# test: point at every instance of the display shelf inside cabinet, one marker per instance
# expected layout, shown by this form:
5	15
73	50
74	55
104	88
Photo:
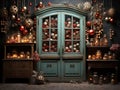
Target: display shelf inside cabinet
103	67
92	49
61	42
18	62
101	60
18	50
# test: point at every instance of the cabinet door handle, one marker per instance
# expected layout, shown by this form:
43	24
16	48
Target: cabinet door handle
72	65
49	65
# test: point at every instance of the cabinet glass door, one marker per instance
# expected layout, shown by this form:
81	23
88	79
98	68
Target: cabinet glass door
61	44
71	34
50	34
60	33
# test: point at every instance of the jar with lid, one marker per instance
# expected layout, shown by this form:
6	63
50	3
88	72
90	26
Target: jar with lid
109	55
101	79
105	57
113	56
89	56
22	54
28	55
14	54
8	56
95	78
90	78
91	42
98	54
113	78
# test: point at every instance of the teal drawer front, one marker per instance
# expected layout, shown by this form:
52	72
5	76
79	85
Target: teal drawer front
50	68
72	69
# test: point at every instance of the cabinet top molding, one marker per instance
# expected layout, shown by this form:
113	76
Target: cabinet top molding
60	7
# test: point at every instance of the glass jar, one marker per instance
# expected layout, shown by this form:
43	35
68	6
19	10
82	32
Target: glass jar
8	55
105	57
89	57
96	41
98	54
95	78
113	79
105	40
22	55
91	42
93	57
90	78
14	54
101	79
28	55
109	55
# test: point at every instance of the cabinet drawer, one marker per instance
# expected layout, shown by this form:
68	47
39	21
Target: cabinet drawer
17	69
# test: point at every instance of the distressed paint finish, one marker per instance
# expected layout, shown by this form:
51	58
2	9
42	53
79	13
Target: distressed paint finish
60	64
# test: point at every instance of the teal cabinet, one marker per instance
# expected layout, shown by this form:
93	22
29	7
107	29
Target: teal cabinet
72	68
50	68
61	42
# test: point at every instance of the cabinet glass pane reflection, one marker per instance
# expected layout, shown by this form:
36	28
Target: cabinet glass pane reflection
49	34
72	34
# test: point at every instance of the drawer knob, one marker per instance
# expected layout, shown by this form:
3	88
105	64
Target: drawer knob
49	65
72	65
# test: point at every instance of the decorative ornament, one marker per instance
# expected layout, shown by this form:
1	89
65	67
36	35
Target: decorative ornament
106	19
28	22
91	32
25	32
30	3
36	56
97	15
22	28
94	1
111	20
24	9
4	12
111	12
14	25
18	19
14	9
88	23
40	5
49	3
13	17
80	5
86	6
